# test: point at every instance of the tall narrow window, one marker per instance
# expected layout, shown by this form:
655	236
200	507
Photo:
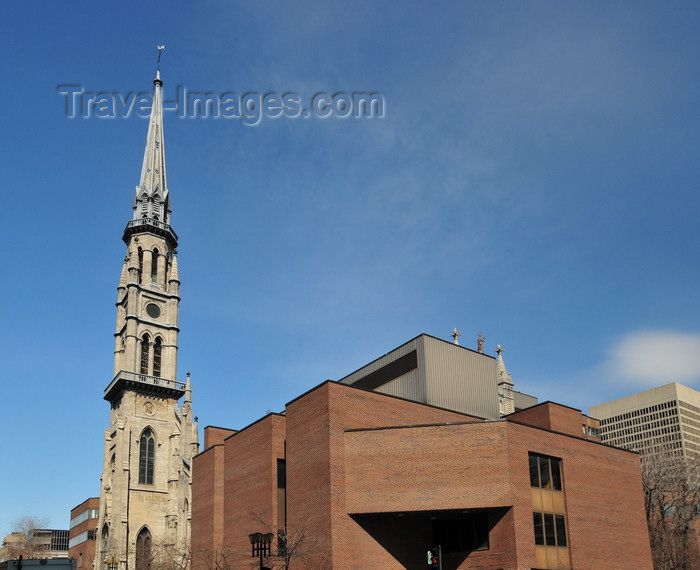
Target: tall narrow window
104	543
145	353
539	528
154	267
140	264
146	458
157	355
156	207
143	550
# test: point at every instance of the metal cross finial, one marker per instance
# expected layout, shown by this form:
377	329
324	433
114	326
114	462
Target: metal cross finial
455	335
499	349
160	50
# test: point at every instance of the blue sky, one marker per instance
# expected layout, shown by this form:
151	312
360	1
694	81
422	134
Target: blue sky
535	177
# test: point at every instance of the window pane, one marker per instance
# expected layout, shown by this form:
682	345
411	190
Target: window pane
534	471
539	530
556	474
149	468
145	346
550	538
157	352
544	472
142	461
561	530
146	458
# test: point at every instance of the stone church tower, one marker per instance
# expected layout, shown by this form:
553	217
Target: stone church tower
145	490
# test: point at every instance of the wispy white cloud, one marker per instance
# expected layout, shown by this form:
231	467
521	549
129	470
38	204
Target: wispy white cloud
655	357
636	361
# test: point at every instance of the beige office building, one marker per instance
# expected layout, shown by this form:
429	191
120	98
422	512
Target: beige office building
660	420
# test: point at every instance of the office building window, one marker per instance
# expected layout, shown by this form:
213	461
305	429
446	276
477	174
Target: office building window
550	529
545	472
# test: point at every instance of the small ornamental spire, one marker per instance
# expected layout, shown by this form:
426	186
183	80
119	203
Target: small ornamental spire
506	399
124	274
174	272
188	390
455	335
501	371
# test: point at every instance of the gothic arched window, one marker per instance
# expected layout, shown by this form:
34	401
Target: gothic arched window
154	267
156	207
143	550
146	457
104	544
144	205
145	350
157	355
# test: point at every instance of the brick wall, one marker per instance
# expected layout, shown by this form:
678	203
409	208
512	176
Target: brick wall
316	485
207	501
84	553
250	479
554	416
216	435
354	459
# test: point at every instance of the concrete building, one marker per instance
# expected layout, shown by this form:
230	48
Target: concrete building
145	493
83	532
663	425
657	421
348	477
432	371
37	543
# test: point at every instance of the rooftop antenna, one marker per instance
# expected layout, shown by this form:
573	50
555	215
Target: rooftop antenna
455	335
160	50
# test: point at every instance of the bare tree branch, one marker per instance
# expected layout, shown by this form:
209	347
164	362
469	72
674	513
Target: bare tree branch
23	540
672	499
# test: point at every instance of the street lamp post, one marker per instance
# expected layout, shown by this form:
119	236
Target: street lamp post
112	562
261	545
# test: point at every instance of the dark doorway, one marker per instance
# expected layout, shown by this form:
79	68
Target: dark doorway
408	536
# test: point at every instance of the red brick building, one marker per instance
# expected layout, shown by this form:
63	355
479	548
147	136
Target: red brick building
83	532
361	479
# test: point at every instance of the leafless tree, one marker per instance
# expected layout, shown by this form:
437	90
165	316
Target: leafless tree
672	496
297	547
298	544
24	540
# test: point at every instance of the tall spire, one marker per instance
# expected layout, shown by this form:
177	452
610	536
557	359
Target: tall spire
152	199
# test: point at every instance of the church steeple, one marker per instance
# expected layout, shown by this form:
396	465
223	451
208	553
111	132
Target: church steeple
151	199
146	481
